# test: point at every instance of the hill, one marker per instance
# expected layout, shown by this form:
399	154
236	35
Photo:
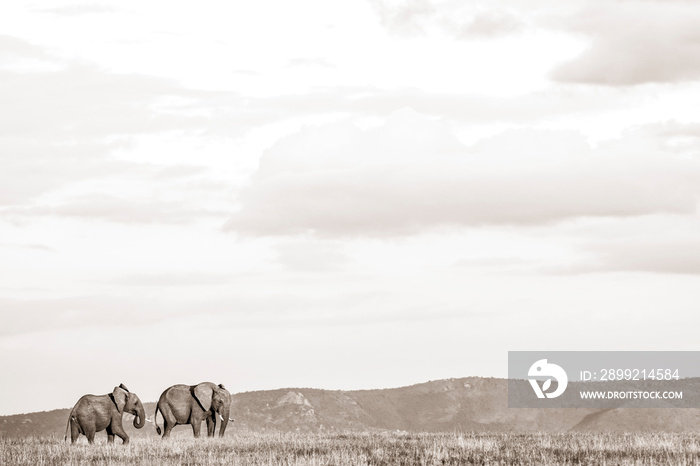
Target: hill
470	404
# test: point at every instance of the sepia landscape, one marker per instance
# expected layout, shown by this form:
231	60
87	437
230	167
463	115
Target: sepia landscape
453	421
317	232
471	404
371	449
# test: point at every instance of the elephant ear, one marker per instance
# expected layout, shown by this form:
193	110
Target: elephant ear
119	396
204	394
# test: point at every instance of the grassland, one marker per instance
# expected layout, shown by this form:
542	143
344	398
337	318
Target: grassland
365	449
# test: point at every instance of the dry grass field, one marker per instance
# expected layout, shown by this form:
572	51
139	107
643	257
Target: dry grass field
365	449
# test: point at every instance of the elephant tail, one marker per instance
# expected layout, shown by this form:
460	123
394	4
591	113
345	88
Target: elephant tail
155	419
70	417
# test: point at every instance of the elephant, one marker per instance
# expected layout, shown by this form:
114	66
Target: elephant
191	404
93	413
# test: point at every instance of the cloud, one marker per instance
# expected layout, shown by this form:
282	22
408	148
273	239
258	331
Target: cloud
77	10
413	175
661	243
246	308
34	315
465	20
13	47
32	247
373	101
651	254
32	167
631	42
495	262
22	316
310	62
311	257
83	101
172	279
109	208
181	171
489	24
660	256
405	17
63	120
634	42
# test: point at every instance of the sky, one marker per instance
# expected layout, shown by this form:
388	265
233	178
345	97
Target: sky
340	195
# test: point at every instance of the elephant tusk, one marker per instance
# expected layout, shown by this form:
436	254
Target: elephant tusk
231	419
221	417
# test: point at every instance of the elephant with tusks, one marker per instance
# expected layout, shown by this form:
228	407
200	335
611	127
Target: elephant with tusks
94	413
191	404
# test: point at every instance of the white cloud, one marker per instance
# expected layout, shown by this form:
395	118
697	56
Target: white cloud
460	20
412	174
490	24
13	48
77	10
31	247
172	279
82	101
34	167
658	256
405	17
115	209
635	42
460	107
311	256
630	42
660	244
63	124
310	62
36	315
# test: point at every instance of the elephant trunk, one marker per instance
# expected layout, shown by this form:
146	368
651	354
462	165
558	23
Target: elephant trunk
224	420
140	419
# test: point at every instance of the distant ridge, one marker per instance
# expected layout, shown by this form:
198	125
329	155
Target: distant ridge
464	404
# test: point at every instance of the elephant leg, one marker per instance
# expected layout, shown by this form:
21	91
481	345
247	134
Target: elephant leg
211	425
169	419
119	431
196	426
90	434
110	435
167	427
74	431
